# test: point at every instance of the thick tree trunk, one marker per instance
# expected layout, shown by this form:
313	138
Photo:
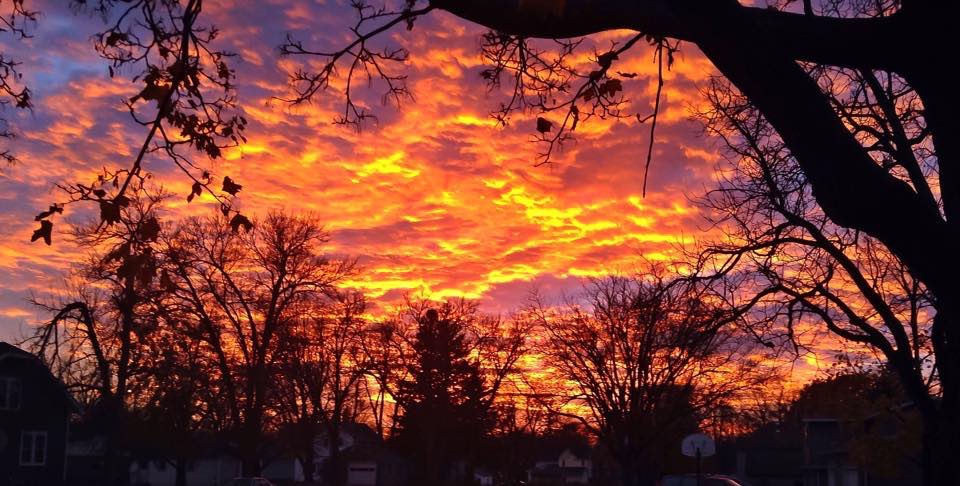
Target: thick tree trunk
303	438
334	476
248	444
631	468
634	473
252	427
825	40
181	471
249	465
941	435
941	449
309	465
110	462
629	475
430	469
935	22
114	468
830	160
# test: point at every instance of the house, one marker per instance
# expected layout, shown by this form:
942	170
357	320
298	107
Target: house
351	434
772	455
213	468
365	460
278	462
35	411
575	465
374	465
880	450
86	451
569	465
215	464
483	477
826	459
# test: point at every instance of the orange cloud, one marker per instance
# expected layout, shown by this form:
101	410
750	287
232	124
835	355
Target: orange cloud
433	199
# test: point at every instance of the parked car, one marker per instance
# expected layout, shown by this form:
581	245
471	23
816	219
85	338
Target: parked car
705	480
248	482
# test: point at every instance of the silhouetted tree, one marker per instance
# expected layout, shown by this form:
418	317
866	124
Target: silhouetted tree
96	340
183	98
386	354
323	367
784	62
15	19
443	414
878	426
640	363
459	362
794	274
176	403
241	291
764	51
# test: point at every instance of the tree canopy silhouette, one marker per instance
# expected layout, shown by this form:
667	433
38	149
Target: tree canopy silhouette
793	273
242	293
642	362
186	103
458	364
15	20
878	162
906	199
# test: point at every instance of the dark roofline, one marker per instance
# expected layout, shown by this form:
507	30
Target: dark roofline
8	351
901	406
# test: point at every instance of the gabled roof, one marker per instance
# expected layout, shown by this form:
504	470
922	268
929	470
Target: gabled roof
360	432
9	351
552	452
904	405
580	451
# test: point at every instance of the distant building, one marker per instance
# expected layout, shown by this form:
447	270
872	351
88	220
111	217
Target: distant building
214	468
374	465
35	411
365	459
351	434
215	465
575	466
86	452
282	468
772	455
569	465
875	451
483	477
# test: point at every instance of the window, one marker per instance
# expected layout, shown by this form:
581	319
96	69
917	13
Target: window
10	392
33	448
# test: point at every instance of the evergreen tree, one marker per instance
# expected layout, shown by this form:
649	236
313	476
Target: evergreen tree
445	411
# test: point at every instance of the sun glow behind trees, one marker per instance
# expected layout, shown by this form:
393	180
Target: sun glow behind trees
477	220
257	340
855	138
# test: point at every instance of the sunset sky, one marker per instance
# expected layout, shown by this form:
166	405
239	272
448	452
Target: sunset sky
434	199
